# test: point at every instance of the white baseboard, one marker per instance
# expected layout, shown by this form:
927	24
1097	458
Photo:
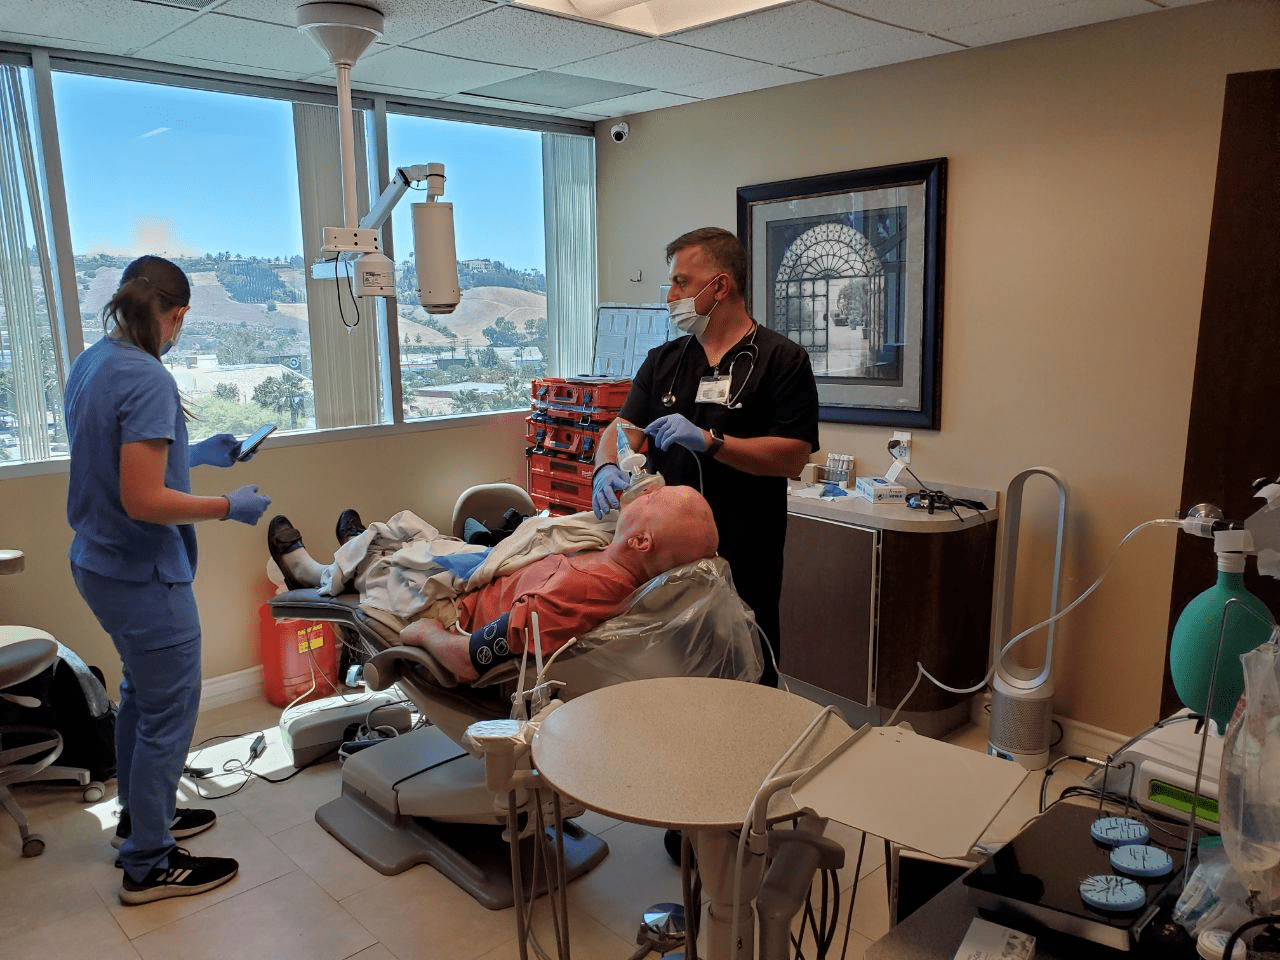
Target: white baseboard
231	688
1079	739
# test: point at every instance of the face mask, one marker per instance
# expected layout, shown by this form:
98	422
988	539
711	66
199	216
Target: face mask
172	343
686	316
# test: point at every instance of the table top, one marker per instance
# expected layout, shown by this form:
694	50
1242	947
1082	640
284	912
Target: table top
683	752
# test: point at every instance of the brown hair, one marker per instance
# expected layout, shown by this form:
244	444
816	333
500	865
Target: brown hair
723	249
149	288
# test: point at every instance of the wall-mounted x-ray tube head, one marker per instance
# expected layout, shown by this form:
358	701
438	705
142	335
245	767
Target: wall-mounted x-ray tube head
435	257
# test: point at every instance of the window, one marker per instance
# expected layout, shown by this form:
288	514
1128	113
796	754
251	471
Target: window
31	425
483	355
208	180
229	180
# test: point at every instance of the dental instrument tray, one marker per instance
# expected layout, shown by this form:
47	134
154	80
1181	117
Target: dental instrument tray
1038	874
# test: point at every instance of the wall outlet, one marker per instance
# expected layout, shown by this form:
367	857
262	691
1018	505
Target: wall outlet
900	445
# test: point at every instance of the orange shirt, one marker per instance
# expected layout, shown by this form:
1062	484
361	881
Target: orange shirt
569	595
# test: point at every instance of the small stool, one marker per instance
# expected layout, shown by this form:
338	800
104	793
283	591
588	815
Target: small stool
21	660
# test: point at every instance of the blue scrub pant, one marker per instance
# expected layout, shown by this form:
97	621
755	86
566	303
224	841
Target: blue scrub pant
156	629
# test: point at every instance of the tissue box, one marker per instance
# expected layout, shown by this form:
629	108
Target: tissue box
990	941
880	490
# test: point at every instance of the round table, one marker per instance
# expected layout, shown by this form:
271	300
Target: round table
688	753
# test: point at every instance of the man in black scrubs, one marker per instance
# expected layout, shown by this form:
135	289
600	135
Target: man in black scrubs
731	409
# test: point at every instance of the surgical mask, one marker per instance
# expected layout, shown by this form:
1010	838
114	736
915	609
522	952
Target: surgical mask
172	343
686	316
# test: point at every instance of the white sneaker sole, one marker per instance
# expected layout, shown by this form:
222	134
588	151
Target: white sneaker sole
166	891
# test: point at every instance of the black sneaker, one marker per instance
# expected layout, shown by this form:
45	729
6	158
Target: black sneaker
183	876
186	823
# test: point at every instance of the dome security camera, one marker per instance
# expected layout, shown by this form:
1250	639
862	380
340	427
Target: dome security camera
619	131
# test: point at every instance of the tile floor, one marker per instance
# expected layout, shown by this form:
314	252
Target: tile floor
300	894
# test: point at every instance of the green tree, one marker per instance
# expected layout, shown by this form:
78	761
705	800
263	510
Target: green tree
488	357
503	333
227	391
238	345
288	392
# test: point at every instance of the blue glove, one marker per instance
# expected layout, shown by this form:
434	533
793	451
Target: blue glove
606	484
677	428
246	504
217	451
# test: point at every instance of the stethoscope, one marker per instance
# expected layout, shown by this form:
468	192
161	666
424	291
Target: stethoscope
753	355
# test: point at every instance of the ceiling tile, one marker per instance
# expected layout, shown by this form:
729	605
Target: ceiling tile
113	26
525	39
933	17
764	77
404	19
1061	16
409	69
552	89
785	34
660	63
638	103
219	39
864	58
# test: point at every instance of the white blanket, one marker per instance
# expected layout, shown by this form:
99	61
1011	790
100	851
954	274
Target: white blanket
405	568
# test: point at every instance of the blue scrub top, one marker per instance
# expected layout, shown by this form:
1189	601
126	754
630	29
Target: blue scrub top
117	393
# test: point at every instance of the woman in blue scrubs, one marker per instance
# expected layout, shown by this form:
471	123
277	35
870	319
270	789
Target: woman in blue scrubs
133	559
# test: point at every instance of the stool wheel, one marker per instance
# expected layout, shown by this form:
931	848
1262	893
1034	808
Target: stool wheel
32	845
94	792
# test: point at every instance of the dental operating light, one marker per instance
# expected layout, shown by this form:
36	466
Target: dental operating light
344	31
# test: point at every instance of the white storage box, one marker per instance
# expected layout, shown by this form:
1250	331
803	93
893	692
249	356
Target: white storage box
880	490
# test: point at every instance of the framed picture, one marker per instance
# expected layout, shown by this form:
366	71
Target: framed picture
849	266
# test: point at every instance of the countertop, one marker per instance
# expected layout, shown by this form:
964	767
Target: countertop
893	516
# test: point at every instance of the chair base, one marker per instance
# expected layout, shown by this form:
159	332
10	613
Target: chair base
476	857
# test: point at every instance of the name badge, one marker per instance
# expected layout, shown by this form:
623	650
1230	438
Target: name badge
713	389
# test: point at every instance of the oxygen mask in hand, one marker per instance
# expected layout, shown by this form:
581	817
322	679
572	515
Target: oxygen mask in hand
632	463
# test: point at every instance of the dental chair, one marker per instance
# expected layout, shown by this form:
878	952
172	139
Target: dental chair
421	797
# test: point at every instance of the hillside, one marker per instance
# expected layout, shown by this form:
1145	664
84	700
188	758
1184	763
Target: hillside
479	308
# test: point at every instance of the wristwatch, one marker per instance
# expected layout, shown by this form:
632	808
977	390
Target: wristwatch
717	441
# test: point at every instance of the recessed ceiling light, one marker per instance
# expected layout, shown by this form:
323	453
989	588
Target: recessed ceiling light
655	17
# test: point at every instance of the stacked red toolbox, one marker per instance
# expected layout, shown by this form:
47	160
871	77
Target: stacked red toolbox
562	430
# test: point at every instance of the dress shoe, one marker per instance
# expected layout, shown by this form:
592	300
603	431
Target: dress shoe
349	526
283	537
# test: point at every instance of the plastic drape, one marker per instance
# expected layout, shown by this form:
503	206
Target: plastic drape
1249	787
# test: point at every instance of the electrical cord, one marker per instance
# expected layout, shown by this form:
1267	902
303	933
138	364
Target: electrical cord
922	673
857	878
338	289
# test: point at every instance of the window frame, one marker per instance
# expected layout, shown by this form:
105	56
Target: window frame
375	108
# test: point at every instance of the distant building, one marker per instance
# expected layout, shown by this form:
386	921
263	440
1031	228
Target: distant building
450	390
199	376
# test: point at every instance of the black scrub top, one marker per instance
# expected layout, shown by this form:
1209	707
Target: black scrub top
779	398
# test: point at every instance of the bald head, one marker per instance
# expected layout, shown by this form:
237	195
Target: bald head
671	526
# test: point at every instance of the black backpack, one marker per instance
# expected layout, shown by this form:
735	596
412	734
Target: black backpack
73	700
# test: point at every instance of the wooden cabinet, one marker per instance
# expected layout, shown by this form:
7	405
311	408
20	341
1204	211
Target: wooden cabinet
861	604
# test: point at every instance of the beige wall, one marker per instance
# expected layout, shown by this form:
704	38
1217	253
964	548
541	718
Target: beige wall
310	482
1081	172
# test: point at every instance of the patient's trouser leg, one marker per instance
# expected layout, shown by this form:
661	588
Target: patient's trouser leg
156	630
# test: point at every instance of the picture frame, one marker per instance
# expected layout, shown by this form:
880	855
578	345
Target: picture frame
849	265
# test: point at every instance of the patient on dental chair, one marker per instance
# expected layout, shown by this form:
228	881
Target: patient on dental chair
471	608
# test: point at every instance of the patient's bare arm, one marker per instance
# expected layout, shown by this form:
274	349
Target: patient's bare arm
447	646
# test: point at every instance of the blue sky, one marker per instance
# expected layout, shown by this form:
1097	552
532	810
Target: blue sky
153	169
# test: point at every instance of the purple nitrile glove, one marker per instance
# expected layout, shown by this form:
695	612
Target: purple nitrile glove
677	428
217	451
606	484
247	505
